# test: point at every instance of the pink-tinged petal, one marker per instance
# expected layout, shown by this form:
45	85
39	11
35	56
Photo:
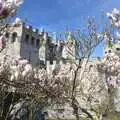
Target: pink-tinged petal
1	44
1	11
113	83
108	15
2	1
115	12
118	36
117	24
19	2
23	62
111	16
1	6
18	21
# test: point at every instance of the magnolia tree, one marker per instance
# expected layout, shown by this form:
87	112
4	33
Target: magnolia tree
84	82
111	64
93	94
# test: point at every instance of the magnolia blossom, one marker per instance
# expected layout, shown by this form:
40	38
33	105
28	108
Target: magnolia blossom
18	21
27	70
18	2
27	79
117	100
23	62
8	7
2	42
13	2
115	12
108	15
112	82
111	16
118	36
111	66
114	17
99	36
117	24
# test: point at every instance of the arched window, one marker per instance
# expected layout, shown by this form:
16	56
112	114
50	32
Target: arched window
14	36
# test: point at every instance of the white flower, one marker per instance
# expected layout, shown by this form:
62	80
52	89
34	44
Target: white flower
16	75
12	78
117	24
111	16
24	73
1	3
116	58
9	6
118	36
18	2
117	100
100	36
28	68
18	21
113	83
112	68
15	2
108	14
115	12
14	68
23	62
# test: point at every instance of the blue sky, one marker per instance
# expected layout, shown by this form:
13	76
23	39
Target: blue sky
54	15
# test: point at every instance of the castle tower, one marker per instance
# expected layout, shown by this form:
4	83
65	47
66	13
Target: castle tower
30	45
26	43
13	37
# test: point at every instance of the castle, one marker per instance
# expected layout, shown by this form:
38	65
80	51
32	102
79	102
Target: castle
40	49
37	47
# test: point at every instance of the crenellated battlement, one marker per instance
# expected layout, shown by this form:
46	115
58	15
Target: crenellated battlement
30	28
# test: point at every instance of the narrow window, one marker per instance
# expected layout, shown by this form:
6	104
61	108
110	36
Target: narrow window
51	62
27	38
7	35
109	51
38	43
14	36
32	41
